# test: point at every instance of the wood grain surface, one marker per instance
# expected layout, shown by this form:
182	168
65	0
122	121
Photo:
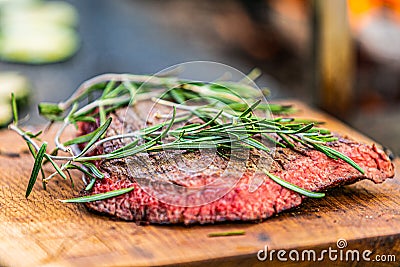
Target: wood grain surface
41	231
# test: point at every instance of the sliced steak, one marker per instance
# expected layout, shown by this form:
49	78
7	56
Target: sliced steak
306	168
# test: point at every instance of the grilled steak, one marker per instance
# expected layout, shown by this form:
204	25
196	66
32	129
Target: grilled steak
163	172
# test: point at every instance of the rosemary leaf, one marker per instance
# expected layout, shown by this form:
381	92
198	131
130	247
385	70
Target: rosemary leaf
164	133
256	144
132	151
44	183
108	88
222	154
152	129
36	168
328	139
200	115
313	140
32	135
102	114
115	107
210	122
56	167
321	148
229	233
177	95
80	139
304	129
273	140
96	172
184	146
269	125
274	108
33	152
284	120
14	108
237	127
126	147
239	107
31	149
290	144
100	196
251	77
98	133
70	178
320	130
48	109
281	109
188	127
90	185
343	157
79	168
199	139
250	109
240	89
130	87
294	187
85	119
190	95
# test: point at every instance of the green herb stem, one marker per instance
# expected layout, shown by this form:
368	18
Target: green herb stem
293	187
96	197
228	233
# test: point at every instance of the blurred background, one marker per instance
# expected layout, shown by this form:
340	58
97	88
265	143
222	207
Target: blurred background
337	55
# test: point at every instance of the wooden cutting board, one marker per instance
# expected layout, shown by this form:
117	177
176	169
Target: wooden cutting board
41	231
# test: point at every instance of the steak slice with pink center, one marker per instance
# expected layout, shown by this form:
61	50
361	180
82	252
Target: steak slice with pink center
304	167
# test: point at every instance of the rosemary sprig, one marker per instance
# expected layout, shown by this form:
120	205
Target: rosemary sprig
235	127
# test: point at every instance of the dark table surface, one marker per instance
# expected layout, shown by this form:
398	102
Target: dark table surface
120	37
